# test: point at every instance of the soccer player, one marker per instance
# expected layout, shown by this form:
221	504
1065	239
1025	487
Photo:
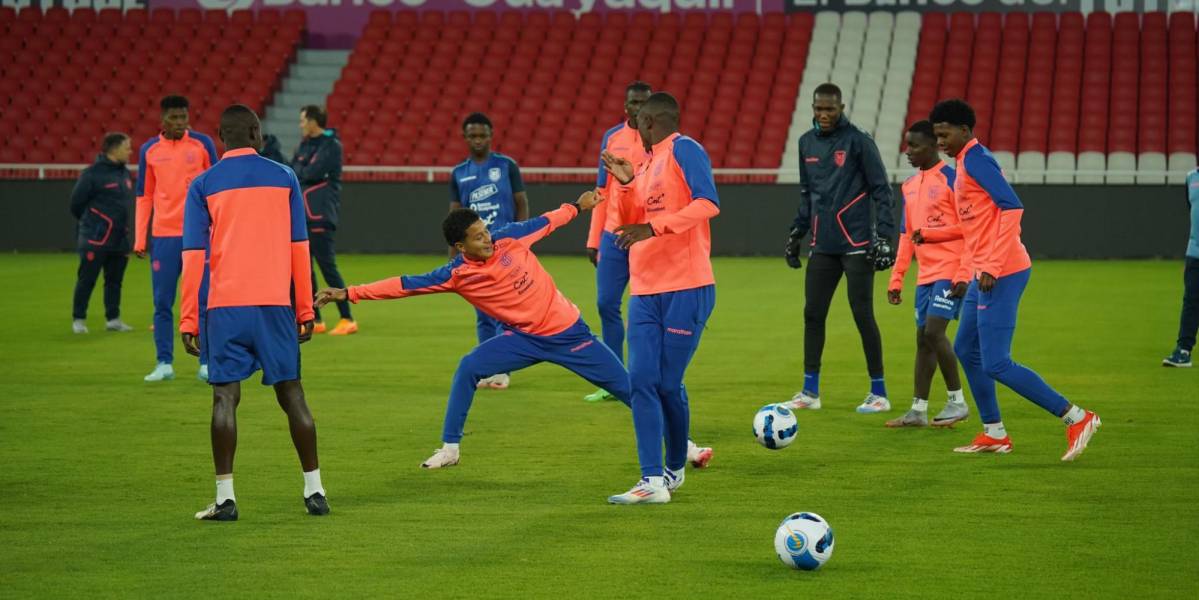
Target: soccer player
611	262
317	164
247	213
1188	323
99	201
845	201
930	229
673	290
168	163
499	274
488	183
990	216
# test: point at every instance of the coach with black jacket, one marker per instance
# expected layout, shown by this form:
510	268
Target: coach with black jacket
101	202
846	204
317	164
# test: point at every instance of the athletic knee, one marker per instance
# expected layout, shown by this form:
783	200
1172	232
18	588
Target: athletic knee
998	368
608	309
933	338
644	380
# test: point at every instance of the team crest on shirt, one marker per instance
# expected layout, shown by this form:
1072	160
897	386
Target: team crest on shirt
839	158
506	260
493	173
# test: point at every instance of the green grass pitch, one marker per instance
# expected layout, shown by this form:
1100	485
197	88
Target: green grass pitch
102	472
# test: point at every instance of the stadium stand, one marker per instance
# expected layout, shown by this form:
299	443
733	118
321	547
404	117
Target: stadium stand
1061	98
553	84
69	79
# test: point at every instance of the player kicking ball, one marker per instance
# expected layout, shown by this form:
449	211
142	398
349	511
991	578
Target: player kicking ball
930	230
990	214
499	275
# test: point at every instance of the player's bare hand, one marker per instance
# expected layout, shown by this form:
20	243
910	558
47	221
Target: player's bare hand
620	168
917	237
986	282
894	297
593	256
139	253
328	295
305	330
631	234
191	343
959	289
587	200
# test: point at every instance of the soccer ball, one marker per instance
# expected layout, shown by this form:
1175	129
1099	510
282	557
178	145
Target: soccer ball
775	426
804	541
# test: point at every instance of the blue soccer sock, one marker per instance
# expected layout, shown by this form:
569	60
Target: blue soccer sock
878	387
811	383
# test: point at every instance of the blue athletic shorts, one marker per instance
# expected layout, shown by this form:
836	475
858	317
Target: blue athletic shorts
933	300
244	339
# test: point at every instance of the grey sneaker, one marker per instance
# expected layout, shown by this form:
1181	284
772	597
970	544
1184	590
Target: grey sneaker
954	412
79	326
117	325
912	418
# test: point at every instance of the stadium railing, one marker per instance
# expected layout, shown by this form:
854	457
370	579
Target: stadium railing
428	174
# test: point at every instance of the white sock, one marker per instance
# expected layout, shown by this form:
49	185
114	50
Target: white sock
1074	415
957	396
451	448
656	482
919	405
995	430
312	483
224	488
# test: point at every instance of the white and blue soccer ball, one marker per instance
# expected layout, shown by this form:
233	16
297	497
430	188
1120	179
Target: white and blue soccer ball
775	426
804	541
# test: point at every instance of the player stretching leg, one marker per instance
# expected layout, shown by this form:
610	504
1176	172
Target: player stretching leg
990	214
673	195
249	212
936	240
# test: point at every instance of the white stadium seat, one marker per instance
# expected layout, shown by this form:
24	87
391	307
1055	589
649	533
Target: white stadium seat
1151	168
1121	168
1090	167
1060	168
1030	166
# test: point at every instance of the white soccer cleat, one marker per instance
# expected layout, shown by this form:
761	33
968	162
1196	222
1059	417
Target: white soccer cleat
874	404
802	400
495	382
698	456
674	479
443	457
79	326
161	372
642	493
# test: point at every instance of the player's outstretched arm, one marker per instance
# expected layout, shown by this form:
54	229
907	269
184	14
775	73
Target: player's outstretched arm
535	229
434	282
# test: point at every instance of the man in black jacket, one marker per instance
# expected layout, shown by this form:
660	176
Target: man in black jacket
845	201
317	164
101	202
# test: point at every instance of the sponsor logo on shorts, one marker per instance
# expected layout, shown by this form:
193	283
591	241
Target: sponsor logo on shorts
583	345
678	331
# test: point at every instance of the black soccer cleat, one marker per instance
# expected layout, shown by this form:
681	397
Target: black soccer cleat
223	512
317	505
